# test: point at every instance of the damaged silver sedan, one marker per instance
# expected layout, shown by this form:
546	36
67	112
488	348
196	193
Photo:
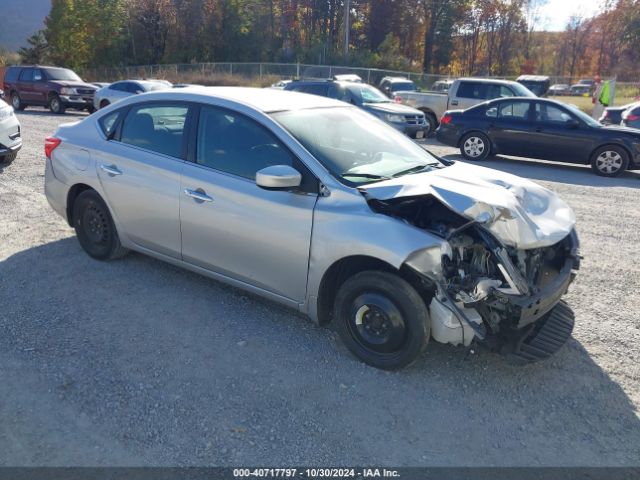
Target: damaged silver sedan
319	206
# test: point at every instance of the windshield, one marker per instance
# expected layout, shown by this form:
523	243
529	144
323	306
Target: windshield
522	91
583	116
368	94
62	74
354	146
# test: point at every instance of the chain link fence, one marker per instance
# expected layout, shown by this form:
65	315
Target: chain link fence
262	74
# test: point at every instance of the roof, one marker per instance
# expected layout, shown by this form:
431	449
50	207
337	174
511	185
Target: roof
266	100
532	78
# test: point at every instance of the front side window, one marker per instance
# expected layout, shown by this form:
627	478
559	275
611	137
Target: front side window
118	87
471	90
551	114
157	127
63	74
26	75
514	110
235	144
354	146
37	76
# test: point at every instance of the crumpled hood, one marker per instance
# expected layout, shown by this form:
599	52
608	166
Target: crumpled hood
526	215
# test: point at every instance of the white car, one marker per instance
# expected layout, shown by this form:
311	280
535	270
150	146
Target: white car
125	88
10	139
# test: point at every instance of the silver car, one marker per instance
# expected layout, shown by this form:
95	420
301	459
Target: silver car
318	205
125	88
10	135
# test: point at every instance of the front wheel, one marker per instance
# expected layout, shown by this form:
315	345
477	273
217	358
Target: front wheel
55	105
610	161
475	146
94	227
382	320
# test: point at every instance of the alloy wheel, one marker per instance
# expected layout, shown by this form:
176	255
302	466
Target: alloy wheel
609	162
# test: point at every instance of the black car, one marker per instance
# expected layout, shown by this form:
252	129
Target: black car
539	128
631	116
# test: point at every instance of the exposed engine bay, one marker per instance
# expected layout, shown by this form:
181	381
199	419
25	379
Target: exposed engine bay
484	289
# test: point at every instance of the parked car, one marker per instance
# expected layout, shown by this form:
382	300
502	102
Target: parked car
51	87
589	82
613	115
631	116
463	93
560	89
406	119
442	86
391	85
10	135
125	88
544	129
318	205
538	84
580	90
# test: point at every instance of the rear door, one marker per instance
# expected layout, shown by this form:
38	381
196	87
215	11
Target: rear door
25	85
140	173
235	228
510	126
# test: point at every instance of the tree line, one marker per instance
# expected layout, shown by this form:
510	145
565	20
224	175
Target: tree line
453	37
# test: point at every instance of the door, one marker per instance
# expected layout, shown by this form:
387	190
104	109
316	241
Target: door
557	134
40	90
25	85
510	126
140	173
229	224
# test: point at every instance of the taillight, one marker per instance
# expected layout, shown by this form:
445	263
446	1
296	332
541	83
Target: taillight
397	99
446	119
50	144
632	118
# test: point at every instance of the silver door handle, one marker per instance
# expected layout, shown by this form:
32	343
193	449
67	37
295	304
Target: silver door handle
111	170
454	102
199	195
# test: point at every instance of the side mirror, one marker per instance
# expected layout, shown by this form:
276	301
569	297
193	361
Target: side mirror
278	177
573	123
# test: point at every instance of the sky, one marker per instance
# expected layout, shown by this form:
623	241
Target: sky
556	13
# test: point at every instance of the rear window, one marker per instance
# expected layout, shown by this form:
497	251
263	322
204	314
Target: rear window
11	75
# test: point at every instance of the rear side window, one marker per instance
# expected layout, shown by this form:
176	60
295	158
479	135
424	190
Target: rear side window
471	90
514	110
157	127
26	75
321	90
119	87
11	75
108	123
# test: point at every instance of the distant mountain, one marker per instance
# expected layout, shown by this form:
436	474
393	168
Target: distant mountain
19	19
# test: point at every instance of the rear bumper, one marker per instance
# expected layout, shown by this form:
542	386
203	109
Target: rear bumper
447	137
55	191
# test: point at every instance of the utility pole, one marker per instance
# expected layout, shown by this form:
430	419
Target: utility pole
346	28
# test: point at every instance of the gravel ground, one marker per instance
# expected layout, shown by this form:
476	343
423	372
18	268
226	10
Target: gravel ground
136	362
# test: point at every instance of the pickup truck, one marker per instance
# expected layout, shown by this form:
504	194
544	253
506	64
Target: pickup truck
462	94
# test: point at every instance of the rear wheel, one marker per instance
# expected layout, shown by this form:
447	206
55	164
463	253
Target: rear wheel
432	123
56	105
382	319
609	161
16	102
475	146
94	227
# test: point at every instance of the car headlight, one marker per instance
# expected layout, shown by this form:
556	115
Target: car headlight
68	91
395	118
6	112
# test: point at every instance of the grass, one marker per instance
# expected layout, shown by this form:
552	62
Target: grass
584	103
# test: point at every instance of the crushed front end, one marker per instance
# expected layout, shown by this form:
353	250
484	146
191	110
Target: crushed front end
507	298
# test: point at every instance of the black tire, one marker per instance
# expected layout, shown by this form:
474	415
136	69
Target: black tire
432	124
94	227
104	103
475	146
382	320
91	109
610	161
16	102
8	158
55	105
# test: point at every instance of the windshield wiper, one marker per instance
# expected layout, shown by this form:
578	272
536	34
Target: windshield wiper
372	176
417	169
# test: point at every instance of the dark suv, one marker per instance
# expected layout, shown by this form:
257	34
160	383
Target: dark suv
52	87
401	117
